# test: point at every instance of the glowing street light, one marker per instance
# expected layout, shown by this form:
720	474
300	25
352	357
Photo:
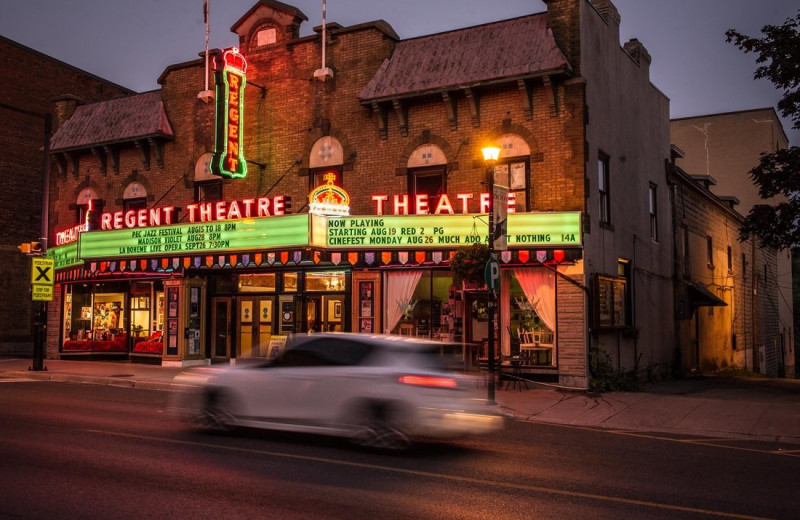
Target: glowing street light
490	155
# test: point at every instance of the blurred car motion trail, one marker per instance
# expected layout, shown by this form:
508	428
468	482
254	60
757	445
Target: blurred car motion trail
379	391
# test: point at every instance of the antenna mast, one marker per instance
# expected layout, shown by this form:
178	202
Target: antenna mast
206	95
323	73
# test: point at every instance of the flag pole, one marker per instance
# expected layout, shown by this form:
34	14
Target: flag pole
206	95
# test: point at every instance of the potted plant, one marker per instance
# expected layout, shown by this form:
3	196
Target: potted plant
468	263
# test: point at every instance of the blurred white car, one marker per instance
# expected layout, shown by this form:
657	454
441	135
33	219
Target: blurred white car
379	391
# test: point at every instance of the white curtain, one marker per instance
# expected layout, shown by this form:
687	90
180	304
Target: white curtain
539	286
400	287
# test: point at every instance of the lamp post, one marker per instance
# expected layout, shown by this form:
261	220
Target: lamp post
490	155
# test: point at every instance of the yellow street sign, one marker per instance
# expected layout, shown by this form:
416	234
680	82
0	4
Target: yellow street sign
43	271
42	293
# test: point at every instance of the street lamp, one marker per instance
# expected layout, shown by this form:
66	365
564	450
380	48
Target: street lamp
490	155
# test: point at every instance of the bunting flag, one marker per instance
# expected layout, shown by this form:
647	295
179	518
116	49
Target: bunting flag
284	257
505	256
143	265
436	256
352	258
541	256
298	257
419	256
187	261
524	256
197	261
271	258
558	255
386	258
369	258
402	257
176	263
336	258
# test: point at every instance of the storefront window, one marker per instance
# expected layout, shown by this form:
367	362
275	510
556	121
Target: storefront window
532	315
141	309
108	307
327	281
290	282
428	312
257	282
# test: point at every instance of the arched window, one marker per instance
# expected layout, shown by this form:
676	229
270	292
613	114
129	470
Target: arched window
513	168
88	207
326	157
134	197
207	186
427	166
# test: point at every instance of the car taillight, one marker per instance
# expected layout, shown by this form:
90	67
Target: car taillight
430	381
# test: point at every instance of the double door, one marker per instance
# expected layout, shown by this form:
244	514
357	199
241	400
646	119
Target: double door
241	327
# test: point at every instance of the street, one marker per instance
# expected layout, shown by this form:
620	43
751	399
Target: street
89	451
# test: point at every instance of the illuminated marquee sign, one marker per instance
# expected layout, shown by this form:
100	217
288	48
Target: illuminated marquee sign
251	234
65	256
422	204
70	235
198	212
418	231
228	157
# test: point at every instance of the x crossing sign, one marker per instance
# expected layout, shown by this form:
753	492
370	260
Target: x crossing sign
42	277
43	271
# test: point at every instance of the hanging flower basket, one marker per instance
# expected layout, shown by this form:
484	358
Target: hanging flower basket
468	263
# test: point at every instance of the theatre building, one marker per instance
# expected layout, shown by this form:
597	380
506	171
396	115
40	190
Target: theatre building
328	182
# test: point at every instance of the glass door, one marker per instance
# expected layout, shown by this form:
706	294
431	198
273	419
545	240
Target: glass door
256	319
221	329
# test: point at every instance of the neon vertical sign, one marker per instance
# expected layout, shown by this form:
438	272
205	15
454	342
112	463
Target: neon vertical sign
228	158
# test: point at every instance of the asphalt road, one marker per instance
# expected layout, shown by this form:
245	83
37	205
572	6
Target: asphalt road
87	451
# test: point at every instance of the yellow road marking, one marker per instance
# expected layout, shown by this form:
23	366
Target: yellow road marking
443	476
702	441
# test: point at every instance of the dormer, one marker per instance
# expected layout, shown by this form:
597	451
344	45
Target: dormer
267	24
729	200
705	180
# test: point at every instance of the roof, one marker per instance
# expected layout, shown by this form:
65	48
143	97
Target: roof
124	119
278	6
700	296
500	51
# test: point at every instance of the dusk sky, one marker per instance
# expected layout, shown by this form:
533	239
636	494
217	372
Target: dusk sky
131	42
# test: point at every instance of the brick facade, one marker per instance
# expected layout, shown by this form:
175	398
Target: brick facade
571	116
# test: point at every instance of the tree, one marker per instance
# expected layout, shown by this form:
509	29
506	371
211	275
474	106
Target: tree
778	173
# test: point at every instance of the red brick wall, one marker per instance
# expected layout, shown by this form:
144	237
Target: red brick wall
28	83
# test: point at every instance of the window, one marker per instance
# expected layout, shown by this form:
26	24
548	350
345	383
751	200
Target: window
730	260
319	176
710	252
514	174
429	181
744	266
653	207
603	187
326	157
134	204
208	191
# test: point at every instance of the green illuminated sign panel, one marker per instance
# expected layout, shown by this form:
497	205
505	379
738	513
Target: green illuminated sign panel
561	229
65	256
226	236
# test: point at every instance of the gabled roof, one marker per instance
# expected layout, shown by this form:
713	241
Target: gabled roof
500	51
107	122
278	6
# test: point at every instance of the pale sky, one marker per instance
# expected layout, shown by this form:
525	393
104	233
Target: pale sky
131	42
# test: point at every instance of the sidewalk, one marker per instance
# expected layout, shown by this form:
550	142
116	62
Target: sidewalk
736	408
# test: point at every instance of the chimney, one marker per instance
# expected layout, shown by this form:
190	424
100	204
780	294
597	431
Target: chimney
63	108
564	20
638	54
607	10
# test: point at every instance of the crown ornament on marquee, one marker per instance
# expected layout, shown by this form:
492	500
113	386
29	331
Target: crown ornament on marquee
234	60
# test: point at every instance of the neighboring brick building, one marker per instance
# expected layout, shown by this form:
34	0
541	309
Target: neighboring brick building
29	81
726	147
714	292
399	124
